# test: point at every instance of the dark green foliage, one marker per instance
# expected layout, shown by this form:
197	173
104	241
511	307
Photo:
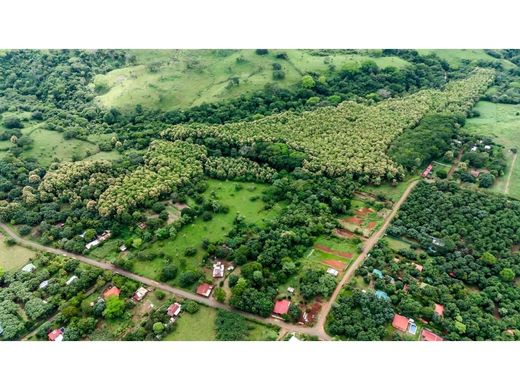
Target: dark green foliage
230	326
316	283
360	316
429	140
169	272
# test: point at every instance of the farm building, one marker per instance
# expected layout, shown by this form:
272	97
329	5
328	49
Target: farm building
439	310
333	272
427	171
29	268
71	280
56	335
92	244
174	309
218	270
427	335
205	290
140	294
122	248
111	292
382	295
43	284
281	307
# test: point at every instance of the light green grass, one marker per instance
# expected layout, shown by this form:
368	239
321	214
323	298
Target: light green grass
190	77
396	245
217	228
390	192
13	257
48	144
455	57
260	332
500	121
195	327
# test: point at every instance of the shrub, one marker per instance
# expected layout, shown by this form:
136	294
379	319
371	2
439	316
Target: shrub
191	307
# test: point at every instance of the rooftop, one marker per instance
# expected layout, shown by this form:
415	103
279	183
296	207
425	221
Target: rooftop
427	335
112	292
400	322
282	307
204	289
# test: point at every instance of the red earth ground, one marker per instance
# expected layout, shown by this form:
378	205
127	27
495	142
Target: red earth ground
336	264
326	249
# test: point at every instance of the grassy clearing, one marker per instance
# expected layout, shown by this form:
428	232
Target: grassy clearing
49	144
195	327
392	193
13	257
260	332
246	201
455	57
169	79
501	122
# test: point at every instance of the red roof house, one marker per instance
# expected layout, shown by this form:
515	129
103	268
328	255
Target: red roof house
282	307
111	292
204	289
56	335
427	335
439	309
174	309
427	170
400	322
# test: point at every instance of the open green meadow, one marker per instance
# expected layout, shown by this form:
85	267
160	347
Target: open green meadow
13	257
49	144
242	198
502	123
201	327
456	57
169	79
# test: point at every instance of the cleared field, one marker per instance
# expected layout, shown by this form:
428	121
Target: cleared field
502	123
48	144
195	327
169	79
245	201
13	257
455	57
390	192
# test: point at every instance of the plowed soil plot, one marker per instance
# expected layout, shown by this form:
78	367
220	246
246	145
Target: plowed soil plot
353	220
342	233
336	264
326	249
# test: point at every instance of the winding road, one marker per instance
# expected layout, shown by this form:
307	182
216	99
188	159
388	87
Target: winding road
318	330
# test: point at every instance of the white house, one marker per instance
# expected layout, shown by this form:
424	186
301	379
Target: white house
43	284
71	280
333	272
29	268
218	270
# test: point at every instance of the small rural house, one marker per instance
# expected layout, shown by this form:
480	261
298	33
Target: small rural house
427	171
122	248
281	307
218	270
92	244
404	324
418	267
56	335
377	273
140	294
382	295
43	284
111	292
174	309
29	268
427	335
290	290
333	272
71	280
205	290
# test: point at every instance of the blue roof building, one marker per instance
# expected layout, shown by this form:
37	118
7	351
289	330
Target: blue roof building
377	273
382	295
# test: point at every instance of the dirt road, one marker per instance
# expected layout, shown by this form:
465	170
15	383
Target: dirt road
367	247
506	190
317	330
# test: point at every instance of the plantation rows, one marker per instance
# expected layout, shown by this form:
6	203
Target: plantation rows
168	165
349	138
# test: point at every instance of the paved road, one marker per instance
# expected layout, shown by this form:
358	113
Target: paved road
153	283
367	247
317	330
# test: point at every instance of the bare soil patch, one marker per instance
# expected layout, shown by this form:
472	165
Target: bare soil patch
336	264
